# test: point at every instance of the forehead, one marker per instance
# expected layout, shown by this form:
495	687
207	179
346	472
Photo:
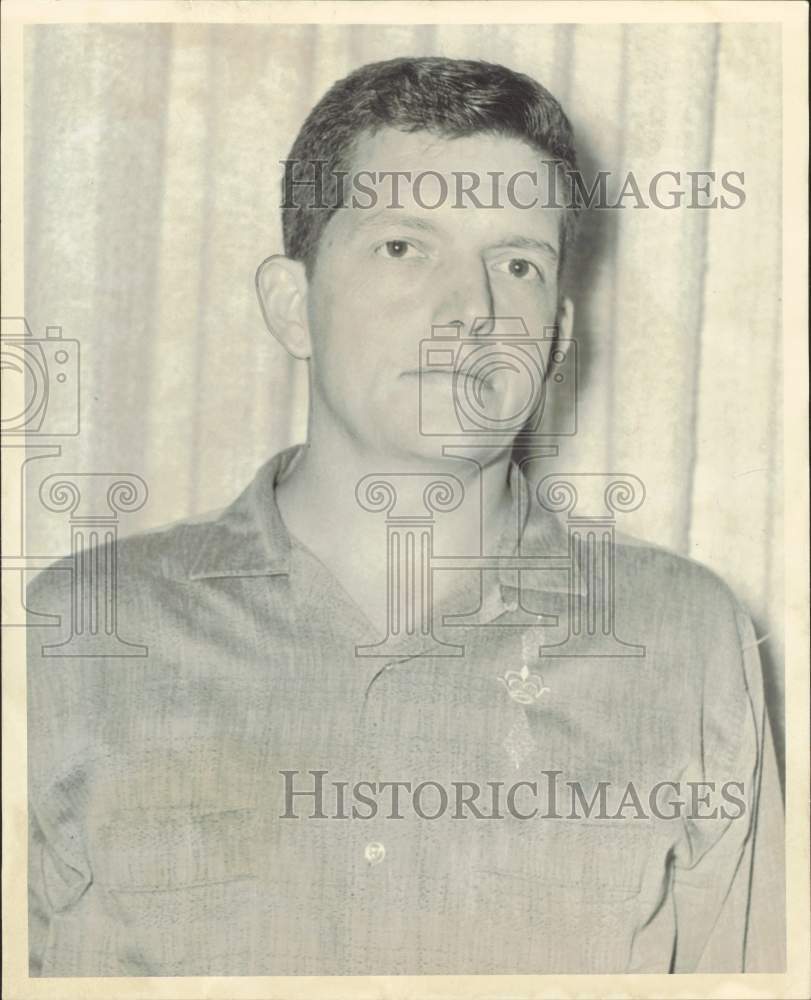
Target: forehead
391	149
513	181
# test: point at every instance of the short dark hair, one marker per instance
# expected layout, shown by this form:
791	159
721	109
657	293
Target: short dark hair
449	97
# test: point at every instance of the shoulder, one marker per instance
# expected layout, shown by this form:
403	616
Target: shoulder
701	644
684	612
654	573
165	553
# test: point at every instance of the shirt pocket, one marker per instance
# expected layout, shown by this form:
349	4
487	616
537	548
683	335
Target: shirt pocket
603	858
180	889
173	848
562	896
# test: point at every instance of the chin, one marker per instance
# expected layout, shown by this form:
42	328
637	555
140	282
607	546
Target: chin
414	447
428	451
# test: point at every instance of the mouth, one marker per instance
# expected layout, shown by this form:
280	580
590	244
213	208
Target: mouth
426	373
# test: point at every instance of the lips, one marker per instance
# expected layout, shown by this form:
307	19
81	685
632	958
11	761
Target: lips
462	372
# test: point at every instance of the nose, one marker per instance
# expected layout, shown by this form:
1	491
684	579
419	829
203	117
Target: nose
465	299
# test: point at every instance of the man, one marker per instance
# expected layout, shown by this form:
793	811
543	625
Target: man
385	725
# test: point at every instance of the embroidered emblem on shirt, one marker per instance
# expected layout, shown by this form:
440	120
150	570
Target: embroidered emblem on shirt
522	686
519	743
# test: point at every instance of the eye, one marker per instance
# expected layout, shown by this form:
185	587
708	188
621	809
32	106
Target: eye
397	249
521	268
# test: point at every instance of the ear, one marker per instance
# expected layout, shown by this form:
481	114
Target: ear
565	319
281	285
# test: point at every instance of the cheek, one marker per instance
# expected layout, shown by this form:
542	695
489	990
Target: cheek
536	304
350	317
343	286
387	283
342	325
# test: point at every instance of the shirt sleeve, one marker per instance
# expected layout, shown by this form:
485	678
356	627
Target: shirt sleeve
58	869
729	877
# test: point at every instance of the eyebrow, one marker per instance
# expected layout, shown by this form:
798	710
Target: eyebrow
527	243
381	219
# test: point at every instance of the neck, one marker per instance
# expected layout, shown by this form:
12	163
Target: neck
321	508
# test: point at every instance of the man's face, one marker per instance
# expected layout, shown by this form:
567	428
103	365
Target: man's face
385	276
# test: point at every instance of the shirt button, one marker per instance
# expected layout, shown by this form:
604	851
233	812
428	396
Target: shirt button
374	853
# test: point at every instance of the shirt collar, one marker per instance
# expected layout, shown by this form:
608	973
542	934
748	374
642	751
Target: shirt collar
249	537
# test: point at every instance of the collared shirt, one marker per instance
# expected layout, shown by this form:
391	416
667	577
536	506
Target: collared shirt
224	804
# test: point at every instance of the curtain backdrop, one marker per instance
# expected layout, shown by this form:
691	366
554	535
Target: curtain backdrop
152	192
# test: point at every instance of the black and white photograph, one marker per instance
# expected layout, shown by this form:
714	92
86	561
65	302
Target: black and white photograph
397	499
